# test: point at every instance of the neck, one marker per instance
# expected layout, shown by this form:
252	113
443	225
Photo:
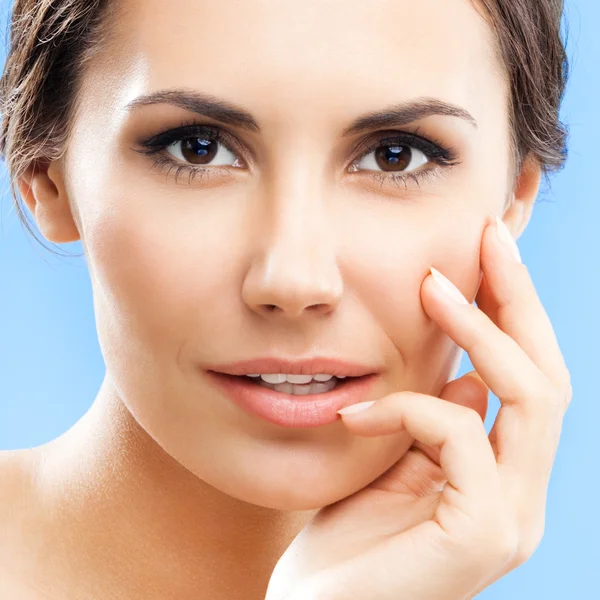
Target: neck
132	518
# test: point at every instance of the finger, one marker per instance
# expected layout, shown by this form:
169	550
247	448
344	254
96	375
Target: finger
415	475
530	408
470	391
508	290
502	364
525	451
466	456
472	532
527	429
418	471
485	301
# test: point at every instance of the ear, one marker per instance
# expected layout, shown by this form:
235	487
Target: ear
43	191
523	197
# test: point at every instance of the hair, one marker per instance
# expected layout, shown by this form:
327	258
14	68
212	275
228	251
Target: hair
51	42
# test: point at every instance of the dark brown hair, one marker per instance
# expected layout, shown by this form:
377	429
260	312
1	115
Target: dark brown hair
51	41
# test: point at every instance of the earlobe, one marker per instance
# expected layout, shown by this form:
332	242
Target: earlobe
525	192
43	191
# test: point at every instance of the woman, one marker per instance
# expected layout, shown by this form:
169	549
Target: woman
268	191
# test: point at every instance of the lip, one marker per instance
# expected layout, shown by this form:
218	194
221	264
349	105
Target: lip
310	366
288	410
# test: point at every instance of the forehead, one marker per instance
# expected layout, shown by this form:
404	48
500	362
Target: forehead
285	58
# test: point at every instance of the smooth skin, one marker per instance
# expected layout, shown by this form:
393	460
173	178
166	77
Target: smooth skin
165	488
460	509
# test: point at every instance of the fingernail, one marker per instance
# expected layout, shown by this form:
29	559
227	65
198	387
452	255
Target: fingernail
448	287
507	240
354	408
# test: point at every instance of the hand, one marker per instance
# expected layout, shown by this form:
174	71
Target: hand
402	536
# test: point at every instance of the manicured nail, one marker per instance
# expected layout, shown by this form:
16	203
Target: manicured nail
354	408
507	240
448	287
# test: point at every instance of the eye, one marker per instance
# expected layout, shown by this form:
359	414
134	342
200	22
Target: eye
403	153
203	151
199	150
194	150
399	158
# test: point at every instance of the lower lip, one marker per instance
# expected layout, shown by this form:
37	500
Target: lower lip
288	410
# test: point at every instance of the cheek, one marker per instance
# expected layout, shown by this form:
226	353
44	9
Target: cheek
394	263
159	277
148	279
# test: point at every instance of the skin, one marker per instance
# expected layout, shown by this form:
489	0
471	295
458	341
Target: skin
154	492
463	505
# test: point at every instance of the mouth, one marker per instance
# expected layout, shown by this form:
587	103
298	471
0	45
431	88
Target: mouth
339	367
298	389
295	405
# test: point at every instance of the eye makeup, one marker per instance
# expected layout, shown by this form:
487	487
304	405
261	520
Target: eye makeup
439	156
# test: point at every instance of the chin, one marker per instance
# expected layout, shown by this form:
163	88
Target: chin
290	499
292	479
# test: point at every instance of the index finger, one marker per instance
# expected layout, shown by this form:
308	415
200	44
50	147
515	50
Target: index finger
508	290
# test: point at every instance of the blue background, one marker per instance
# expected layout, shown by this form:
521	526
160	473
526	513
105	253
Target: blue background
51	366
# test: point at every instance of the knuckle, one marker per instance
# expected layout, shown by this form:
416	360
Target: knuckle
470	420
526	549
523	272
554	397
487	545
565	378
498	547
561	396
527	543
544	397
566	394
508	546
563	388
478	343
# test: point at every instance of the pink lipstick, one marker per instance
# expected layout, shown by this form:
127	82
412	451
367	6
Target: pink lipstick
293	410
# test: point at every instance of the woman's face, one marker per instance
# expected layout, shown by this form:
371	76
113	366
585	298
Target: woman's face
293	212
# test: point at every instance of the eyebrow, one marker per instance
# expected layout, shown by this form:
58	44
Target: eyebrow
396	115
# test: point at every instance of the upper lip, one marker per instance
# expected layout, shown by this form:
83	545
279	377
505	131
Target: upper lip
309	366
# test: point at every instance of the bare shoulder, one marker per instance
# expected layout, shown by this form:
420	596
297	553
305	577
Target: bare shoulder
17	484
17	474
13	586
18	498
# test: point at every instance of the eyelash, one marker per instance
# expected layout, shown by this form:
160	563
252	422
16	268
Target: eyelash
435	151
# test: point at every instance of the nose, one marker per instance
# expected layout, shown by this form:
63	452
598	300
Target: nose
295	271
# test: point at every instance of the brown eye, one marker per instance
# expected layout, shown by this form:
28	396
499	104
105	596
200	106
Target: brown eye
202	151
388	158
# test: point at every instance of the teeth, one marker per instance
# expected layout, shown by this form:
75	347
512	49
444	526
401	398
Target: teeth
301	390
276	378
